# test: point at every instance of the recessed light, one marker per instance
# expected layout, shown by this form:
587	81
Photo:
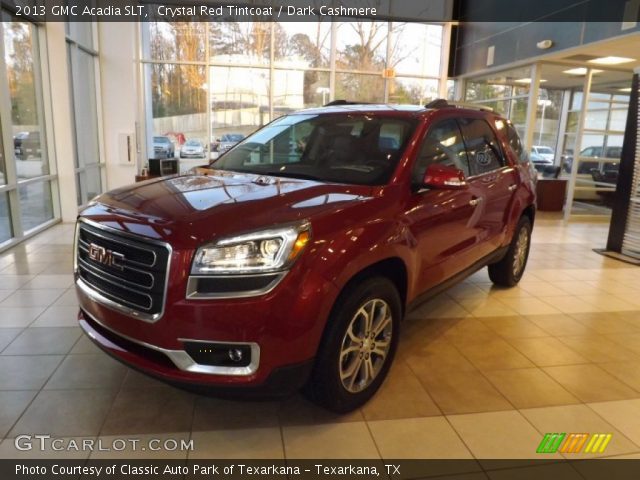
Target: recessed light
580	71
611	60
626	90
527	80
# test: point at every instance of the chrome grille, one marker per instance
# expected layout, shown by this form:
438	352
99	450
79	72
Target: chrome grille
136	284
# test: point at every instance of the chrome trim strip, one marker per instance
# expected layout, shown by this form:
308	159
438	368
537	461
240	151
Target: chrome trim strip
193	294
114	279
183	360
96	296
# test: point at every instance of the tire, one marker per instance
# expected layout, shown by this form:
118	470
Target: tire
330	384
508	271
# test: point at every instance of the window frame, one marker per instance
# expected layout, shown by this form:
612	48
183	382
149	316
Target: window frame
74	48
43	94
501	152
423	141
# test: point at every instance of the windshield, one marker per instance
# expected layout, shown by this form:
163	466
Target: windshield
357	149
545	150
161	140
192	143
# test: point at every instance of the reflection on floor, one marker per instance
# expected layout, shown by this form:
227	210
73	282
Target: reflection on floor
591	208
559	353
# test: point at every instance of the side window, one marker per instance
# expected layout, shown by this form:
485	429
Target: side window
444	145
516	144
482	146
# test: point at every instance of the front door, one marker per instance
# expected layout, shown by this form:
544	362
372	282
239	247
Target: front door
442	221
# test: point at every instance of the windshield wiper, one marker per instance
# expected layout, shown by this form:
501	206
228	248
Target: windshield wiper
278	173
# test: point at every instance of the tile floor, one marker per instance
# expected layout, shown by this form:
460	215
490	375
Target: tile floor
481	373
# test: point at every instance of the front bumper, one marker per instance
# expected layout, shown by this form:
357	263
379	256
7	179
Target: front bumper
161	364
283	327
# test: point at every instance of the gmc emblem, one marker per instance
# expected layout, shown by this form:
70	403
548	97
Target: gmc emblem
106	257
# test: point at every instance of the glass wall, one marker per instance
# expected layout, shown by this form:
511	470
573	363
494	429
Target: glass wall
83	56
212	83
26	179
5	220
507	93
584	151
597	151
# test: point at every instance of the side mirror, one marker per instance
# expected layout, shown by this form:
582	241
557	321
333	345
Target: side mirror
444	177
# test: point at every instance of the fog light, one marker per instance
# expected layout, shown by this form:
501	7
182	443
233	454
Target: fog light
235	354
219	354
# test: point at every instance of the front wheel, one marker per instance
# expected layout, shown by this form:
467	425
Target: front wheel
508	271
358	346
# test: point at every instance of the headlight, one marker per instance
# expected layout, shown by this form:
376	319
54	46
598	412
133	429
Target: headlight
265	251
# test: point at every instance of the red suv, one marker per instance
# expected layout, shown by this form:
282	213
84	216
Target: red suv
291	260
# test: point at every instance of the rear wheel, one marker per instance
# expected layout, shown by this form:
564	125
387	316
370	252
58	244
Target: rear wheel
358	346
508	271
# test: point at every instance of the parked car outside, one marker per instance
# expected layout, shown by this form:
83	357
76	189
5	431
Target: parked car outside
262	273
544	152
226	141
27	145
163	147
192	149
540	163
585	167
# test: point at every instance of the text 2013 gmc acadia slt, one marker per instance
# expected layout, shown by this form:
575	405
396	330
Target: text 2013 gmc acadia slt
291	259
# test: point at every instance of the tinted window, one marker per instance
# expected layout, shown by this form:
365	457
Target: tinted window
443	145
482	146
232	137
614	152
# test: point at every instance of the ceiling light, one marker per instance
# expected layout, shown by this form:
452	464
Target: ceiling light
580	71
527	80
626	90
611	60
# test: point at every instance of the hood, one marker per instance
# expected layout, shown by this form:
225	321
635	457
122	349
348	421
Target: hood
206	204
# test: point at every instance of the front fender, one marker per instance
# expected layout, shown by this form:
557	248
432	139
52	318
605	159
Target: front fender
350	251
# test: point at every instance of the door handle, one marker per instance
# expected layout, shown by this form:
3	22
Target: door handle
475	201
512	188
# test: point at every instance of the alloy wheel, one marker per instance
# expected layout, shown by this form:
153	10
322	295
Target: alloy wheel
366	345
520	253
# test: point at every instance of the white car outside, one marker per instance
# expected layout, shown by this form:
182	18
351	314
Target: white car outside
545	152
192	149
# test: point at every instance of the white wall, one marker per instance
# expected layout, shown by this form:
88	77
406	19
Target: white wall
120	98
62	128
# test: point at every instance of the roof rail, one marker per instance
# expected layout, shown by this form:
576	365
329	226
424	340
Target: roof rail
442	103
343	102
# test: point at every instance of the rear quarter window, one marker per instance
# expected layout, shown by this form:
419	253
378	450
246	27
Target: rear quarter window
483	148
516	144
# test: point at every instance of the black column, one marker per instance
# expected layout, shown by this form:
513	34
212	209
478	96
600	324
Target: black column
623	193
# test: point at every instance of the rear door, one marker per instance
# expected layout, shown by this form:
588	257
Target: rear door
492	181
